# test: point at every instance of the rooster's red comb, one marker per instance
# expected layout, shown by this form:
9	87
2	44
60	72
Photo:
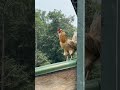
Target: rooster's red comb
59	30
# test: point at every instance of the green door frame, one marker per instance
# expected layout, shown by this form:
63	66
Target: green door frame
81	45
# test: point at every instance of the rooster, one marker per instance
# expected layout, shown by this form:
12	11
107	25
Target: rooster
92	45
67	44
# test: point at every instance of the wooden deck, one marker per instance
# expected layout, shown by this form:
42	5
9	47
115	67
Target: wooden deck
61	80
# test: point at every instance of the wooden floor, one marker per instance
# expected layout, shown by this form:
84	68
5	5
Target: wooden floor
62	80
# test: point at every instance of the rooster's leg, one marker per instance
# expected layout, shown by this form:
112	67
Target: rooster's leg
66	55
71	54
87	75
66	58
71	57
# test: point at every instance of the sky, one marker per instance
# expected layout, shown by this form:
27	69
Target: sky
64	5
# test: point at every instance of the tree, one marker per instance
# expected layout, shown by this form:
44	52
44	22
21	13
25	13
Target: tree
42	59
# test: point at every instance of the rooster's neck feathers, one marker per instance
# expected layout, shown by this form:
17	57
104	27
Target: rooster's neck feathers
63	37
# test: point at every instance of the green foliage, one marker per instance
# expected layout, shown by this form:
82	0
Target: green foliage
42	59
60	20
46	25
96	72
91	8
15	76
